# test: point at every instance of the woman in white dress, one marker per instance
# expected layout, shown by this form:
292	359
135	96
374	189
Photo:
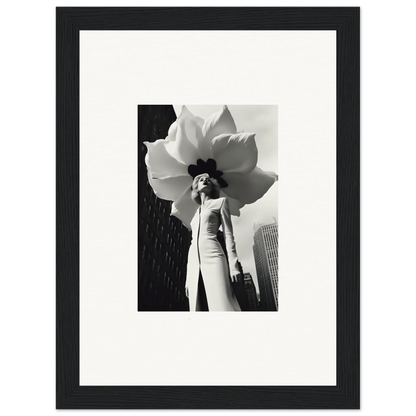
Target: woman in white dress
214	270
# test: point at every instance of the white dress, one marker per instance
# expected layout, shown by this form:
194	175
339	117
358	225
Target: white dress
212	262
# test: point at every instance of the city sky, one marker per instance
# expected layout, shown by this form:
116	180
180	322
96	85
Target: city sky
262	120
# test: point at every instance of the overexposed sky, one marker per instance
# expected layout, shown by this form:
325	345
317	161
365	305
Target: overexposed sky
262	120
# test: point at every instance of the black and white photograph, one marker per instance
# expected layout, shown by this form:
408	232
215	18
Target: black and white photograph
208	208
204	189
189	190
205	155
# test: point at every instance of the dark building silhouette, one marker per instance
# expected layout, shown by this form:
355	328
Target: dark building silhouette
163	240
250	289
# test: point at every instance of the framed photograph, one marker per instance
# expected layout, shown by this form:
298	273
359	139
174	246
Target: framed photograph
172	229
208	161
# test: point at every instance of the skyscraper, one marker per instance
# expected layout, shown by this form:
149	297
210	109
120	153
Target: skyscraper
163	240
250	290
266	256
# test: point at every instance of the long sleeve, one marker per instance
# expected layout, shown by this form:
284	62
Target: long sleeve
229	236
193	256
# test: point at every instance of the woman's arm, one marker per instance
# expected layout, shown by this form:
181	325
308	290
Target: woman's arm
227	227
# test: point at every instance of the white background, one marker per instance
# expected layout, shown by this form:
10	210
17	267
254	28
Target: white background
118	345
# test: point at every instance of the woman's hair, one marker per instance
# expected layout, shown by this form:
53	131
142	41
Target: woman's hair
215	189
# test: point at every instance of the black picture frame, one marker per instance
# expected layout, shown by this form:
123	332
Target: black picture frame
346	394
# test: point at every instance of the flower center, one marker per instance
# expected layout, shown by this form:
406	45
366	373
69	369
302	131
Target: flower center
209	167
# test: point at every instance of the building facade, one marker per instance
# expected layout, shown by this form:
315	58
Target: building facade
250	289
163	240
266	256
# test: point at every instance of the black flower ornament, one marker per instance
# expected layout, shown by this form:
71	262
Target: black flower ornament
209	167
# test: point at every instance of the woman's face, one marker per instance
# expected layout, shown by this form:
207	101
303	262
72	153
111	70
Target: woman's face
204	184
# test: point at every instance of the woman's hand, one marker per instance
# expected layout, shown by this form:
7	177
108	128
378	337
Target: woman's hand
235	276
187	291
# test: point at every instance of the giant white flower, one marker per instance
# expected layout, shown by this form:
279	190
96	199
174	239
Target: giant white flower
213	146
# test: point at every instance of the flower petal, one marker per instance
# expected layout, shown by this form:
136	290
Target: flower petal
160	163
172	131
185	208
182	149
189	118
192	126
235	153
218	123
251	187
170	189
234	204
